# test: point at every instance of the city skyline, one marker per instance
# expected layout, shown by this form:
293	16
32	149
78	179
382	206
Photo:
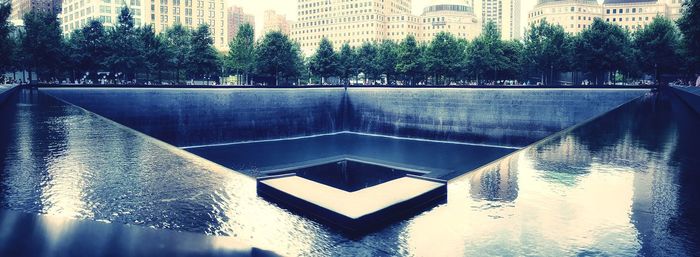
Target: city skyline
289	9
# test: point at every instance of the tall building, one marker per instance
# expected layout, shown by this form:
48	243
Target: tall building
576	15
275	22
505	13
21	7
161	14
573	15
455	17
355	23
235	17
77	13
191	14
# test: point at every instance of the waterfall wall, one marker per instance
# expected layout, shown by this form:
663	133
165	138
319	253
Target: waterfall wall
185	117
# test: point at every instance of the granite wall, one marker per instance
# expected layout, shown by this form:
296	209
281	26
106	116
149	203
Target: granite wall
186	117
513	117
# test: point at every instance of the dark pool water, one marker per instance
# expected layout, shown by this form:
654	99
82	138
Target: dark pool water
622	185
348	175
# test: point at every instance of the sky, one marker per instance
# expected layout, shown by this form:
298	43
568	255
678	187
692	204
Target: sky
289	7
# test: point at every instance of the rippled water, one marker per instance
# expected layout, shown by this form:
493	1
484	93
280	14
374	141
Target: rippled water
622	185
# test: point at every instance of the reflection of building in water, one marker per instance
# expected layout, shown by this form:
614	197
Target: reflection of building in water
496	182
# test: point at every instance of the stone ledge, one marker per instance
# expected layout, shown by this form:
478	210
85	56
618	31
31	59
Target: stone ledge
354	212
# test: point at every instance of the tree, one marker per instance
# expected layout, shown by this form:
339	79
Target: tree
547	49
485	53
324	63
408	63
241	55
657	46
602	47
202	59
178	43
347	63
88	49
123	56
387	58
688	25
514	54
278	57
6	43
445	58
156	54
367	63
42	43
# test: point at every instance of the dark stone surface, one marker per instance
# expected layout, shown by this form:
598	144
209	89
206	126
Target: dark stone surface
193	116
511	117
690	95
185	117
5	92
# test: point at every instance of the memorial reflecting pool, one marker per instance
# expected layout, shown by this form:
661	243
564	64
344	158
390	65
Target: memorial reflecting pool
623	184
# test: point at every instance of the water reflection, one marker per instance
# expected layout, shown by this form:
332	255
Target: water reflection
622	185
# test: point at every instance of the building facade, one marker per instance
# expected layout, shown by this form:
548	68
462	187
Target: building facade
190	13
457	19
358	22
505	13
161	14
77	13
21	7
275	22
573	15
576	15
235	17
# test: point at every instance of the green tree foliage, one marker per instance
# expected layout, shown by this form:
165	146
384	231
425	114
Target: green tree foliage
202	59
177	39
6	43
603	47
485	53
88	48
689	25
366	62
657	47
42	44
409	63
547	49
386	59
124	56
241	55
324	63
445	58
278	57
347	63
514	54
155	52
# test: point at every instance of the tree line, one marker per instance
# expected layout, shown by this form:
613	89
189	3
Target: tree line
603	52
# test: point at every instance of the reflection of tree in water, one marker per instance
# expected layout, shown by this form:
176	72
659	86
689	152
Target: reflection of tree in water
622	137
497	182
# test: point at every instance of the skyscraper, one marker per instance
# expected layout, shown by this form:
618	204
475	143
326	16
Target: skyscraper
77	13
161	14
275	22
20	7
505	13
235	17
577	15
191	14
356	23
